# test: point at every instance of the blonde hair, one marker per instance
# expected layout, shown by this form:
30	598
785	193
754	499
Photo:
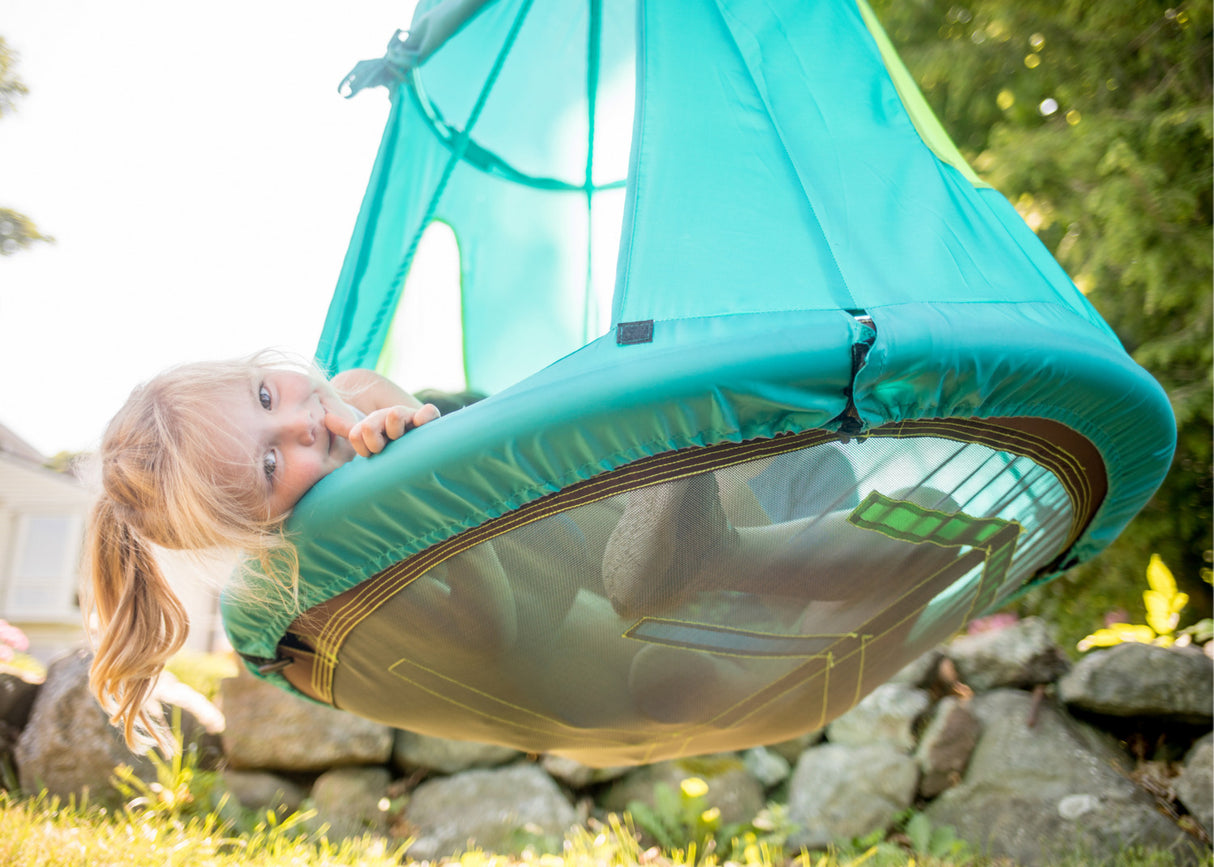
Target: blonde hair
163	484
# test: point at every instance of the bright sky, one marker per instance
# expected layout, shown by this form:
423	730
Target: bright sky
201	176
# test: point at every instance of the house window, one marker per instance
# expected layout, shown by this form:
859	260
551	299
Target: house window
43	578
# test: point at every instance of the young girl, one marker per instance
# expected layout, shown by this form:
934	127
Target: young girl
212	455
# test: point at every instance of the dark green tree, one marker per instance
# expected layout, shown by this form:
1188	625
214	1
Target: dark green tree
1094	118
17	231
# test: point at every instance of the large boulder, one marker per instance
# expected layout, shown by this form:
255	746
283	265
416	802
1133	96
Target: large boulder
1021	655
1141	680
1195	785
1041	787
68	746
17	694
271	729
576	775
262	790
839	792
352	802
412	751
495	810
947	743
888	713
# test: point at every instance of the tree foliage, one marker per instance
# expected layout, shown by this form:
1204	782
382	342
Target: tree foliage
17	231
1094	118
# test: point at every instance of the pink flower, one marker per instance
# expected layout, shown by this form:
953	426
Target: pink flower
992	623
1118	616
11	639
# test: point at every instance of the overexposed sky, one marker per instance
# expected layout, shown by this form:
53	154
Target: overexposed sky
201	175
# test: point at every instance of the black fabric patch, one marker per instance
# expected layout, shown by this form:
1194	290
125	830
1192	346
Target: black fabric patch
634	332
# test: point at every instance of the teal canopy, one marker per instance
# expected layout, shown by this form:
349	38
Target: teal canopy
754	334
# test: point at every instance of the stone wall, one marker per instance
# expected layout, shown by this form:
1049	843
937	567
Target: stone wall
995	735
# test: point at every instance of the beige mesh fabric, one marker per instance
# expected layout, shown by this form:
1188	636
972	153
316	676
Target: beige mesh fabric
721	599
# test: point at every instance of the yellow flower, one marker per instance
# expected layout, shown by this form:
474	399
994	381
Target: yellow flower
1160	577
694	787
1118	633
1162	602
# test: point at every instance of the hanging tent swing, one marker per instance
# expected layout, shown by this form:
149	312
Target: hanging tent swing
844	401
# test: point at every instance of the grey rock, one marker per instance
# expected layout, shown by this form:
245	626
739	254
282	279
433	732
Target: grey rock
262	790
946	745
1141	680
271	729
411	750
731	789
920	672
68	746
1195	785
1021	655
790	750
492	809
1077	806
17	696
352	802
575	775
767	766
839	792
888	714
1040	793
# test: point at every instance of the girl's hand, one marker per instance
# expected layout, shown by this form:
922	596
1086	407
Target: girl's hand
371	435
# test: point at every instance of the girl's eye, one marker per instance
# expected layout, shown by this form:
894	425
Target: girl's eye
269	465
263	397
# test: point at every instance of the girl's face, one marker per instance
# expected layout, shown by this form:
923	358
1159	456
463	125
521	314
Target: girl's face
278	426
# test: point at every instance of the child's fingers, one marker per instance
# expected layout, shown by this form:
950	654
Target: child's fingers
367	437
372	435
338	425
357	439
396	422
429	412
357	433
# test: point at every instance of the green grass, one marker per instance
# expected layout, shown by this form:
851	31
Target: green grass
50	833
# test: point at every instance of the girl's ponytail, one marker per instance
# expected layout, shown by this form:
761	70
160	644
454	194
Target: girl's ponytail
161	485
141	624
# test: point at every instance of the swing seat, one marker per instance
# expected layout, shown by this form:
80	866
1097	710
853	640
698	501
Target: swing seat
843	403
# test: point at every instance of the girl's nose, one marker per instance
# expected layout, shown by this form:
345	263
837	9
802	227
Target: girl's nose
302	427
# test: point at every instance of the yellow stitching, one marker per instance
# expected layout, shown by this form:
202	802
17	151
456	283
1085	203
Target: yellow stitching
783	637
800	682
797	682
564	728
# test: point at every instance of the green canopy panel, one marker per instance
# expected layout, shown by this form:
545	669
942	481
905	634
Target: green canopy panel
778	400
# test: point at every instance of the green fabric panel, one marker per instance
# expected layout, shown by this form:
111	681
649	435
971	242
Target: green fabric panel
921	114
523	247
